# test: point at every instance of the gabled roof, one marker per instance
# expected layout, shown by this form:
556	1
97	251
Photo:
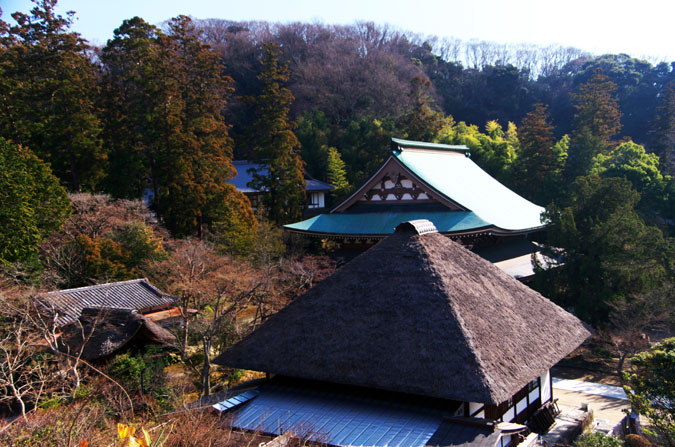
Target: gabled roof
245	171
418	314
450	178
137	294
465	183
104	331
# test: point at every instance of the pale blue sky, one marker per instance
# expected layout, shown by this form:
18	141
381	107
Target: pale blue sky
639	28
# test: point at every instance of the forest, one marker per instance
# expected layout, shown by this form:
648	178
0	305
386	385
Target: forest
91	135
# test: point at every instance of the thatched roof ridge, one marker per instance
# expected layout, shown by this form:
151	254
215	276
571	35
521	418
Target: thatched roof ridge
418	314
105	331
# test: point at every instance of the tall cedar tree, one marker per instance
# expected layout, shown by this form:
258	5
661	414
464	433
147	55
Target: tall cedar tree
138	97
48	92
171	130
275	144
423	121
32	203
538	166
663	130
196	195
597	120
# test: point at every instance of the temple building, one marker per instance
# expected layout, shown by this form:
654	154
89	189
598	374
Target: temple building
315	190
415	342
439	183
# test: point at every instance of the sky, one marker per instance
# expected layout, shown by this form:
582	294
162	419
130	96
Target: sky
640	28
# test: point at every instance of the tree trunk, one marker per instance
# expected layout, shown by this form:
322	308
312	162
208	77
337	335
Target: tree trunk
206	370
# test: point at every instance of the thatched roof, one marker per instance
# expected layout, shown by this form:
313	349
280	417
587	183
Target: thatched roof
107	330
136	294
416	313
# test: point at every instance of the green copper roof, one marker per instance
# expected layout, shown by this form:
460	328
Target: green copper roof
462	181
383	223
422	145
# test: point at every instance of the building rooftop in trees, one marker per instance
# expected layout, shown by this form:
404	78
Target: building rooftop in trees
136	294
425	180
420	314
245	170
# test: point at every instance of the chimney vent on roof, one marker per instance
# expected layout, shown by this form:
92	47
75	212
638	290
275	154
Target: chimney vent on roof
418	226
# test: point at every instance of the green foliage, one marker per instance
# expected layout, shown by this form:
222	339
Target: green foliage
632	162
336	174
364	145
144	372
51	83
164	97
314	132
610	254
275	144
663	129
32	203
116	255
268	245
597	107
233	225
598	119
540	162
598	439
423	121
494	150
651	388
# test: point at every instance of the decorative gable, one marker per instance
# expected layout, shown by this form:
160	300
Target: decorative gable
396	187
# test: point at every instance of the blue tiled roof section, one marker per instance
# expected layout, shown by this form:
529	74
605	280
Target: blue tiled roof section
244	175
235	401
464	182
384	223
337	419
316	185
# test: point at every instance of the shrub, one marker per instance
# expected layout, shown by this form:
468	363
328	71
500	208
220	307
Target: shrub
597	439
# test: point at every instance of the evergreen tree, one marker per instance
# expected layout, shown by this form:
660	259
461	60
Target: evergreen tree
632	162
609	253
663	130
172	132
336	173
49	88
538	166
423	121
136	99
597	120
32	203
275	145
651	392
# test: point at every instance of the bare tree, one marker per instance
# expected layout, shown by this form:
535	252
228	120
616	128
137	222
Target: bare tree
22	378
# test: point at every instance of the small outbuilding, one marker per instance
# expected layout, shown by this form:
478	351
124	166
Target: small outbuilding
102	332
418	328
137	294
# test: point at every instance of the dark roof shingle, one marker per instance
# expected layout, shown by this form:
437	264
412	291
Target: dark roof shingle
137	294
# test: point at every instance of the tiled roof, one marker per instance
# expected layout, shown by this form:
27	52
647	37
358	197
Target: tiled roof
137	294
353	416
383	223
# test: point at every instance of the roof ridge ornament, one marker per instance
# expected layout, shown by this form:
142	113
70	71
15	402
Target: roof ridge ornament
417	226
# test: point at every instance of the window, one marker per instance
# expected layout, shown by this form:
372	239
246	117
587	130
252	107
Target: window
315	200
